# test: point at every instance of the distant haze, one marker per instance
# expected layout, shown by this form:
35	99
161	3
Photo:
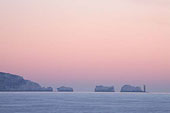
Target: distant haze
83	43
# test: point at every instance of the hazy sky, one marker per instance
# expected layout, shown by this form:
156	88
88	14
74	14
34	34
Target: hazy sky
83	43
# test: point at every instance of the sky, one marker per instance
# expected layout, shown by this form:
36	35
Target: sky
84	43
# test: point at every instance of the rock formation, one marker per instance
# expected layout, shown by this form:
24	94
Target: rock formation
11	82
104	89
64	89
129	88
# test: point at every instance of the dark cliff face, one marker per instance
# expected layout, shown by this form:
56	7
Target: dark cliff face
104	89
64	89
10	82
129	88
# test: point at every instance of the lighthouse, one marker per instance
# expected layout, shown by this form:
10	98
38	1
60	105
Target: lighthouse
144	88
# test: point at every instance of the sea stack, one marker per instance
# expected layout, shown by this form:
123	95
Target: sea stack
104	89
64	89
11	82
129	88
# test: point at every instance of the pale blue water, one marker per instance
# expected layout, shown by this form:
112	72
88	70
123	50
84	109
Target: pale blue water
84	102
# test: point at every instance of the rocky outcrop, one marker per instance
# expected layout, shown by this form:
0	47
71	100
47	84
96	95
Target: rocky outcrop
129	88
104	89
11	82
64	89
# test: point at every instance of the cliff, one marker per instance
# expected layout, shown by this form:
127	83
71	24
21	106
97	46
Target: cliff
65	89
11	82
129	88
104	89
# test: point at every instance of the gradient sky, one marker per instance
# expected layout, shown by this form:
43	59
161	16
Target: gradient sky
83	43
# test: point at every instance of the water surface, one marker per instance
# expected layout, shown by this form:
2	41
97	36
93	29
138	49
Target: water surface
53	102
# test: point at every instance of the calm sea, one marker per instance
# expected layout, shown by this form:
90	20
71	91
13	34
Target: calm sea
46	102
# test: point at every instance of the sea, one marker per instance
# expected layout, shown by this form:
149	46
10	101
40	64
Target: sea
84	102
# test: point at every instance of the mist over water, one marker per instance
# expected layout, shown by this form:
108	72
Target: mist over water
47	102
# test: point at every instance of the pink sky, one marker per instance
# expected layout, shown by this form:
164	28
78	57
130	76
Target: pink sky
83	43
